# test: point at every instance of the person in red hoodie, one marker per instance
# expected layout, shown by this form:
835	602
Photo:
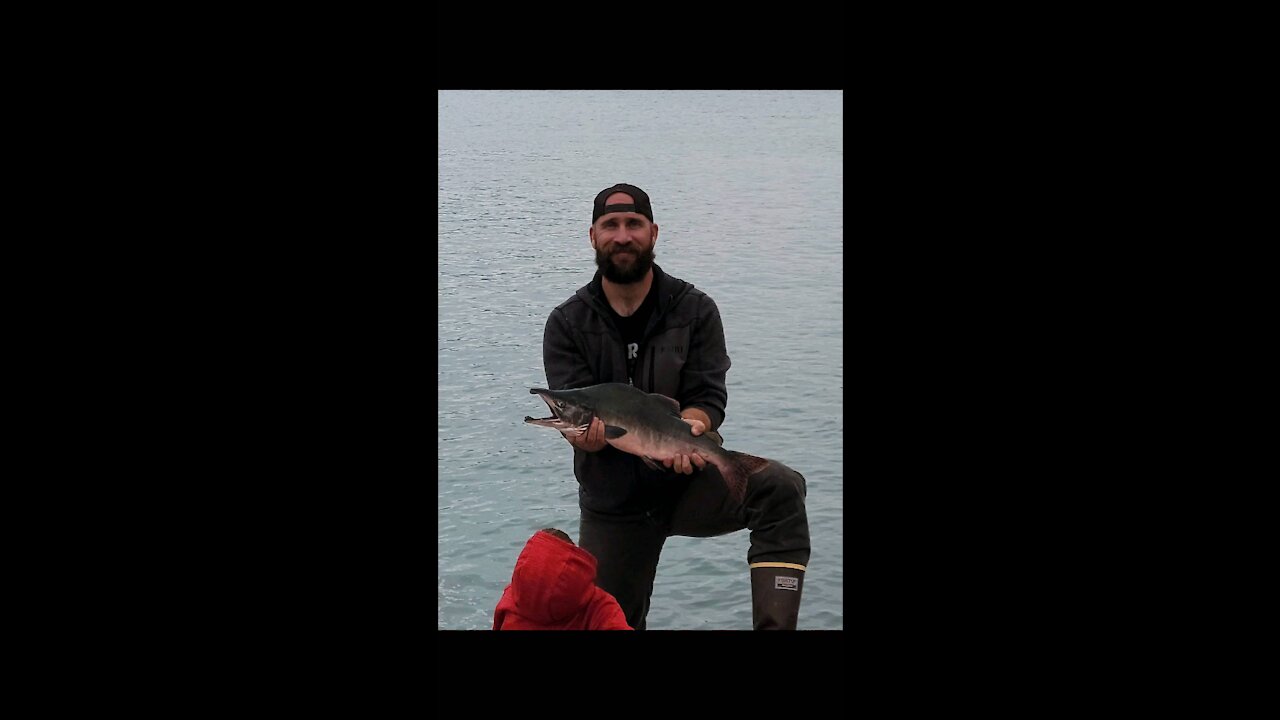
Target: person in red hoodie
553	587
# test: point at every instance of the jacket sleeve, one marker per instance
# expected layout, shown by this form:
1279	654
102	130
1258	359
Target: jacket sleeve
562	360
606	613
702	378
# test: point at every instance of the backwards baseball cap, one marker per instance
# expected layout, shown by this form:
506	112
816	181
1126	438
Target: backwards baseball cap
641	204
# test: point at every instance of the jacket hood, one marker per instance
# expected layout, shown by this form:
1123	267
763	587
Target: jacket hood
552	580
670	290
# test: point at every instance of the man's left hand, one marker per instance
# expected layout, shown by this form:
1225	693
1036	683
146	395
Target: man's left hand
687	463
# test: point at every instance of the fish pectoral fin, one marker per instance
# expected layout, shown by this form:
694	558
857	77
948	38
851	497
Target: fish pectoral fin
653	464
613	432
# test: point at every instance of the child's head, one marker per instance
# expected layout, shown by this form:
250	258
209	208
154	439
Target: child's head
558	533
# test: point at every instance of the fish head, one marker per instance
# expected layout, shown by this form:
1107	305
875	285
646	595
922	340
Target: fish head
571	411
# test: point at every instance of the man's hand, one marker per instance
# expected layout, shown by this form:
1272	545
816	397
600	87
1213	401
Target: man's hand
686	464
592	440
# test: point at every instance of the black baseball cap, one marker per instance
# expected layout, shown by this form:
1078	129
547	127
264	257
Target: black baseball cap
641	204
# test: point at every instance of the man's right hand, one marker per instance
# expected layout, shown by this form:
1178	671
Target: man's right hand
592	440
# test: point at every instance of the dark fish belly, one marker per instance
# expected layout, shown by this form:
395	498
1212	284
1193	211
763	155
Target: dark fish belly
662	447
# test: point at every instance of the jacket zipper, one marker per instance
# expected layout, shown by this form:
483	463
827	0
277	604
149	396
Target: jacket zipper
649	353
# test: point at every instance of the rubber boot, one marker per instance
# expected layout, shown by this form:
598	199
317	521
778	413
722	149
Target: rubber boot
775	595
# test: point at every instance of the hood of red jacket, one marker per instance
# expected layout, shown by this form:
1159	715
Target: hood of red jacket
552	580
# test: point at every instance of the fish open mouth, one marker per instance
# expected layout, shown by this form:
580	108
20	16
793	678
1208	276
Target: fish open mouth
555	421
558	424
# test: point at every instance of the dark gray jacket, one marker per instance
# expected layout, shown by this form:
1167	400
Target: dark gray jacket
682	356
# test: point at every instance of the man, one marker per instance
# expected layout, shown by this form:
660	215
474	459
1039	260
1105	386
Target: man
635	324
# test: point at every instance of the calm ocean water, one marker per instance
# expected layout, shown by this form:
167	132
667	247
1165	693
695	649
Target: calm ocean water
747	190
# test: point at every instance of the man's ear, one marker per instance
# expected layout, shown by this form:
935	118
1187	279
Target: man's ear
655	232
591	236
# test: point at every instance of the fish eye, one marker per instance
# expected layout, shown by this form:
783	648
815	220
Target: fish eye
559	403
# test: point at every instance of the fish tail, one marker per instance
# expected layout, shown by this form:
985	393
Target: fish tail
738	468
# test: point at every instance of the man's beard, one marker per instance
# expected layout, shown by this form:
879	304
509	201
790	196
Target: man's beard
625	276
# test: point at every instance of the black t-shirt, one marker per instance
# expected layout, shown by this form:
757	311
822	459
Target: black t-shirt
633	327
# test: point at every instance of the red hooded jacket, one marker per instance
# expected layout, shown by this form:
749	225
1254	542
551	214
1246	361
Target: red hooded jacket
553	587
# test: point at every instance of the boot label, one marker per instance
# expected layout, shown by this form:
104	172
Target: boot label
782	582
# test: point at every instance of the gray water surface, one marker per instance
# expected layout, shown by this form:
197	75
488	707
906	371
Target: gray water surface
747	191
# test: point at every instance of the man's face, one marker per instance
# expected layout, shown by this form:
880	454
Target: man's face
623	242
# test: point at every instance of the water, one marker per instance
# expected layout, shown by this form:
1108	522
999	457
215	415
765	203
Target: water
747	191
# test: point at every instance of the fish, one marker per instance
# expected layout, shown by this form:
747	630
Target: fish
647	425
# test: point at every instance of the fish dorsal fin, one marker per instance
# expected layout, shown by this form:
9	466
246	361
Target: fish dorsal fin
673	403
